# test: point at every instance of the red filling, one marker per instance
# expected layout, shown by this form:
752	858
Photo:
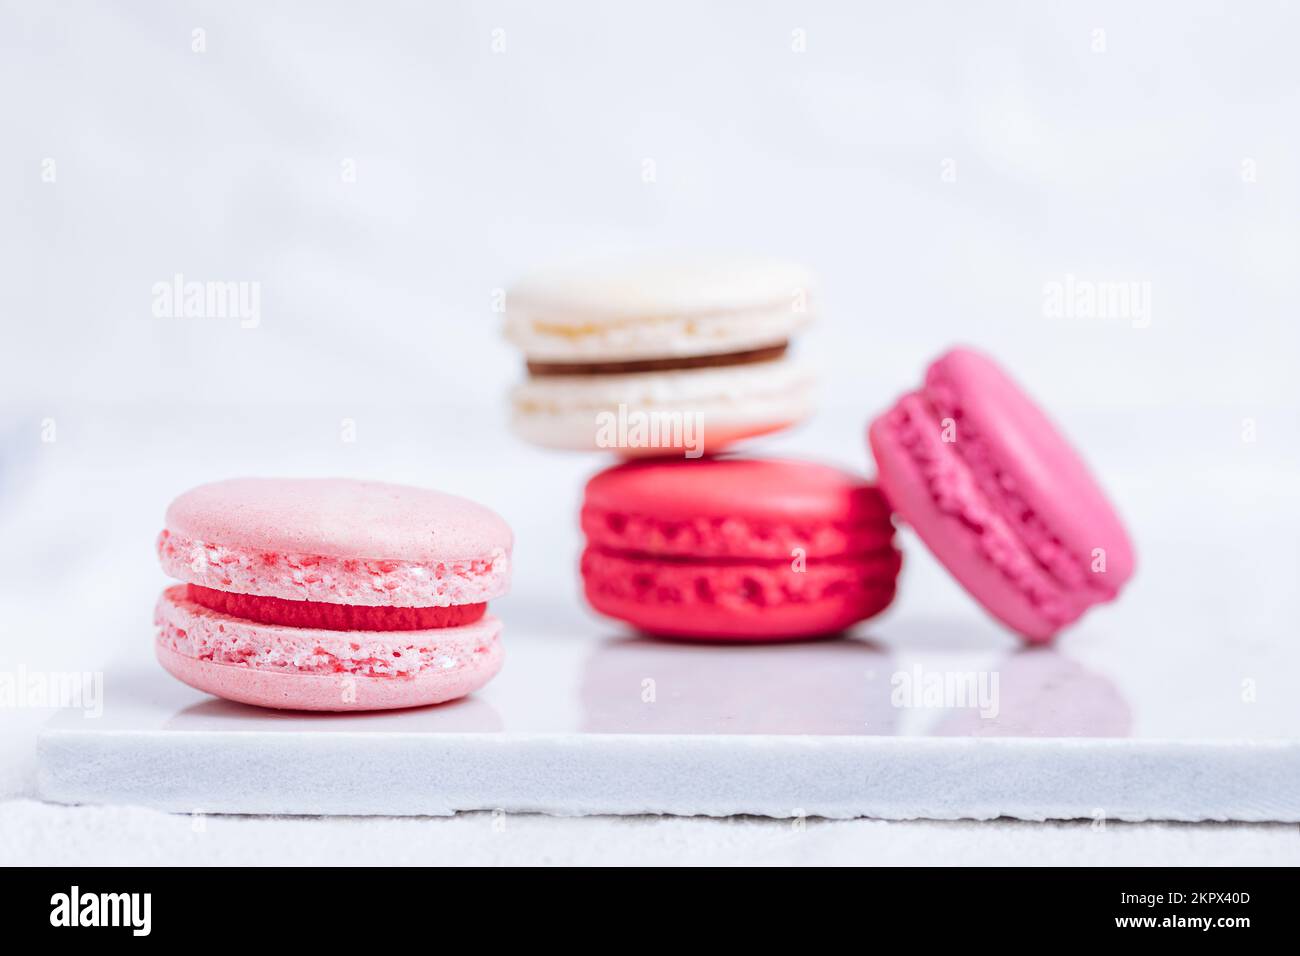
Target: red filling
333	617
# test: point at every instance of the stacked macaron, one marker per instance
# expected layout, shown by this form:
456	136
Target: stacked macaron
330	594
679	361
660	358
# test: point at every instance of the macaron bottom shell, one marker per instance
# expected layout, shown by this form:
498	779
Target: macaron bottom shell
276	665
322	692
575	435
701	411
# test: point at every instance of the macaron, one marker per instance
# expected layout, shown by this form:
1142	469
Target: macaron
330	594
736	548
660	358
1000	496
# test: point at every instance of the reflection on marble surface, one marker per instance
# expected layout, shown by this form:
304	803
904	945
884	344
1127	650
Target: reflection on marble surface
1042	693
640	685
835	687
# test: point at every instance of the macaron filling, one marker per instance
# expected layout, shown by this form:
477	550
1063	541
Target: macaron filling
333	617
747	357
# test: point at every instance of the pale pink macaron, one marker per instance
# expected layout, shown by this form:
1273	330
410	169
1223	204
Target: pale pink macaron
1001	498
331	594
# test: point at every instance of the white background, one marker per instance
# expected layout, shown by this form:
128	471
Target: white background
1168	158
473	166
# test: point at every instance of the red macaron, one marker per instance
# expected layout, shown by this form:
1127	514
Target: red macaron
736	548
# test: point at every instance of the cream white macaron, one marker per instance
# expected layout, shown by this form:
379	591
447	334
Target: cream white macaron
660	357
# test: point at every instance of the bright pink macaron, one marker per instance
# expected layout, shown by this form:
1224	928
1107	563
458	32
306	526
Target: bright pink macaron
736	548
1000	496
330	594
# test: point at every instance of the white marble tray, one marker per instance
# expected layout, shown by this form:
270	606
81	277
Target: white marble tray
629	725
1179	702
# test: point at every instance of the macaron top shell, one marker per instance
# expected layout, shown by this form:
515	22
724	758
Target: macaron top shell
339	518
658	309
336	541
659	288
748	488
734	507
1030	471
